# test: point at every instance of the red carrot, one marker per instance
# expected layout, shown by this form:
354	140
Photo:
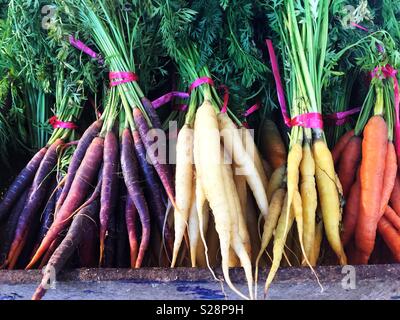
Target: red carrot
20	183
33	203
131	221
130	170
162	168
338	148
79	153
154	189
109	187
351	211
348	164
81	223
374	149
79	189
391	236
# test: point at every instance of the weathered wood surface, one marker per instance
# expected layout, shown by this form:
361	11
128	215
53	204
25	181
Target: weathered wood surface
369	282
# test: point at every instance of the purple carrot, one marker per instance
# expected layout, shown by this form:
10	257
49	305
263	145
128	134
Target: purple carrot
48	215
91	132
151	112
154	190
92	198
131	224
9	229
20	183
110	244
130	171
82	222
163	170
80	187
33	203
109	187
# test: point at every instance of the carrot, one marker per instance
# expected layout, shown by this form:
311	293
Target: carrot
130	170
151	112
267	169
282	229
391	236
348	164
392	217
202	210
82	222
109	186
319	228
84	142
153	189
8	232
33	203
183	186
193	228
276	181
251	216
351	211
163	170
207	140
79	189
109	244
395	196
239	234
293	164
329	197
48	214
374	149
131	220
251	148
20	183
272	146
340	145
277	207
89	200
255	177
308	198
389	177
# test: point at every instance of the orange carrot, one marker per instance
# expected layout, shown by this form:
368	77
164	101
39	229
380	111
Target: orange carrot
374	148
395	196
391	236
348	164
392	217
351	211
272	146
389	177
340	144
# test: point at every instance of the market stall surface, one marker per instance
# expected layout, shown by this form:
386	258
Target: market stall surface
360	282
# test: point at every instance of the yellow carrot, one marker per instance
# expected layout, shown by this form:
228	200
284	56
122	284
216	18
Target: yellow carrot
233	144
183	186
276	181
329	197
308	198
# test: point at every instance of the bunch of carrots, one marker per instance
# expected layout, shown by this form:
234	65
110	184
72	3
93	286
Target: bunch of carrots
367	162
109	197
